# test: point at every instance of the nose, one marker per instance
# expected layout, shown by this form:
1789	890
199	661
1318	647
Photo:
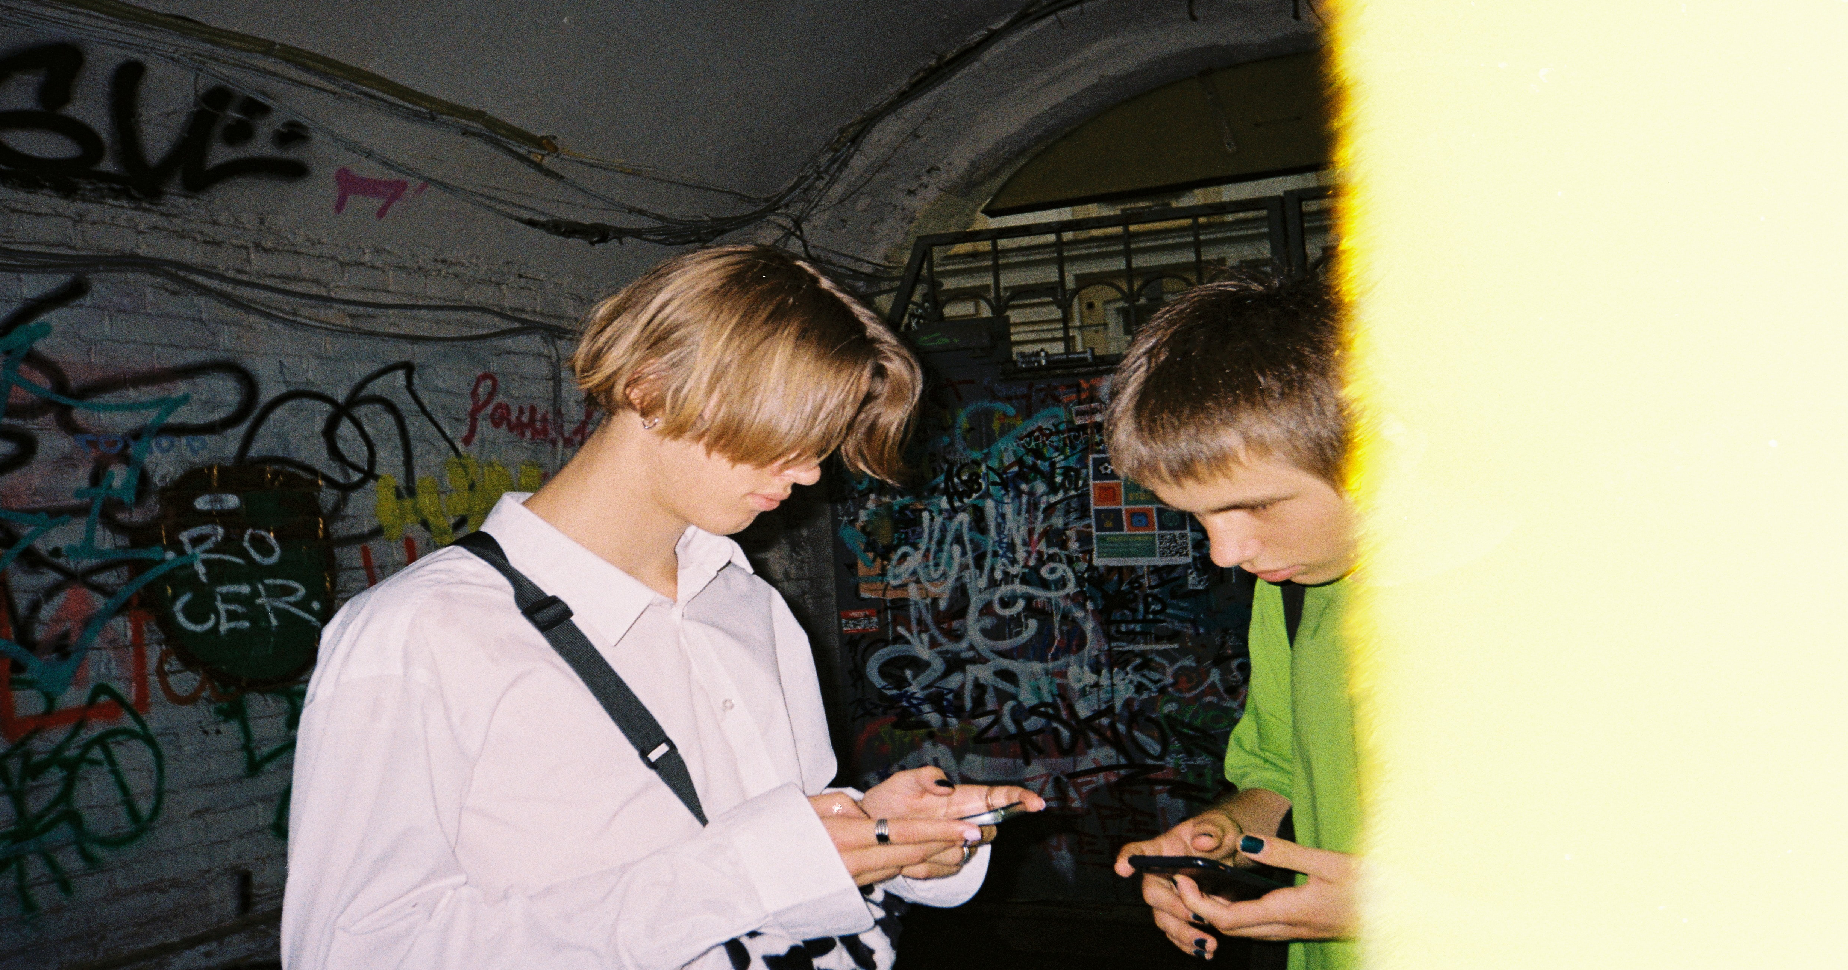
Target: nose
803	473
1231	540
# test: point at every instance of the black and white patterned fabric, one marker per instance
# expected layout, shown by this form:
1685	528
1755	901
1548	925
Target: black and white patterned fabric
871	950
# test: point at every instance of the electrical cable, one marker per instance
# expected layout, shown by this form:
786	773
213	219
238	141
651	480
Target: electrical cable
796	201
219	286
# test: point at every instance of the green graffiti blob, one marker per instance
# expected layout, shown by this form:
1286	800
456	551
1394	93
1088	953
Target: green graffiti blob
87	793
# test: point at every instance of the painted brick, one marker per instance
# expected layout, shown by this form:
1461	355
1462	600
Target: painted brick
179	874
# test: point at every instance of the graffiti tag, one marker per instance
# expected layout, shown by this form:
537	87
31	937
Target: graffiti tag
220	117
390	190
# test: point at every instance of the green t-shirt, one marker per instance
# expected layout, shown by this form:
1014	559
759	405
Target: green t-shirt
1297	735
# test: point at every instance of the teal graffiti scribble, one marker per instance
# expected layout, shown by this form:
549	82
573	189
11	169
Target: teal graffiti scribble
1051	418
87	791
54	794
54	676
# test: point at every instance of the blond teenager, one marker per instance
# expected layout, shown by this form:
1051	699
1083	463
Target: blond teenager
463	800
1229	406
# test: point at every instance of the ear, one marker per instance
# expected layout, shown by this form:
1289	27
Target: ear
642	395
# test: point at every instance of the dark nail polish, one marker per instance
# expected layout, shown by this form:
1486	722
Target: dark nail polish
1200	944
1250	843
1197	921
945	783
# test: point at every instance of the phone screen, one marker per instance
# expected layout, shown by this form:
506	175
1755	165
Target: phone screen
1214	878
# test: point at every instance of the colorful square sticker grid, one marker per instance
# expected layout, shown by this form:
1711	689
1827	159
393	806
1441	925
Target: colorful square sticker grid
1130	525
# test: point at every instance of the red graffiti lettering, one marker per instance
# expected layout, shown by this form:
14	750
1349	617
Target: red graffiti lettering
582	431
478	401
529	422
522	421
391	190
15	724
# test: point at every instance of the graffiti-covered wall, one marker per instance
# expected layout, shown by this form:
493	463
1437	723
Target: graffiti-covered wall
234	395
280	313
1023	614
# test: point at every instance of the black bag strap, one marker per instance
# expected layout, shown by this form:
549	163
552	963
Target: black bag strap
1276	955
1292	609
553	619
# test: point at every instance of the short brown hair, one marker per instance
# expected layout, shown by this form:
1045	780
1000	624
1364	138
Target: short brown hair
755	354
1249	367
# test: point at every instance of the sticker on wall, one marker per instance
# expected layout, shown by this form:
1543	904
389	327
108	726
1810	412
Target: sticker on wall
859	621
1130	525
248	611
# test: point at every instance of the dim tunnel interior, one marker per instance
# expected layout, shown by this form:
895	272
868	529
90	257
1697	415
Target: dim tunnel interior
288	297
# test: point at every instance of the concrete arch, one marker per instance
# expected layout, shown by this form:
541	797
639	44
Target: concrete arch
931	166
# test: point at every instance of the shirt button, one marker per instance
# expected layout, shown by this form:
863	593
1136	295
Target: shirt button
726	704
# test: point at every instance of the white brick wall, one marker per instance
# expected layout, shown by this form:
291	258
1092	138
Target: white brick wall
178	876
179	873
83	881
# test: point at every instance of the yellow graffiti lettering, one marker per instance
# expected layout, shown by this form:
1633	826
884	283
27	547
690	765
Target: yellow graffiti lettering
393	513
473	490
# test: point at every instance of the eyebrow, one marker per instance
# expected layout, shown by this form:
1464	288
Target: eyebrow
1250	503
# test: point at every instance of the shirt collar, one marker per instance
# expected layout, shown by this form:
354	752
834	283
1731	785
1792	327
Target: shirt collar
702	555
598	592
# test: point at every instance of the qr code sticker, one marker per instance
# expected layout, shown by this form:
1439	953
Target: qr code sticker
1172	544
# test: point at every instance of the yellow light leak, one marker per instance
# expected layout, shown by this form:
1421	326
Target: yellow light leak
1596	260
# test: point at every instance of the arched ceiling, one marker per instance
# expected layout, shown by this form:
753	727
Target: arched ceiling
1247	121
844	126
933	164
733	94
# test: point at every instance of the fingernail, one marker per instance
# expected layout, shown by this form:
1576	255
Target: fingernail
945	783
1197	920
972	836
1250	843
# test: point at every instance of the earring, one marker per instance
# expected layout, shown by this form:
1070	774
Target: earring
649	423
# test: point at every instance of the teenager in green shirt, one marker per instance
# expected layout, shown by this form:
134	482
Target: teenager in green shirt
1229	405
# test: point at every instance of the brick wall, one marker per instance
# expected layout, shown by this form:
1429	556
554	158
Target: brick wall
128	828
278	364
147	721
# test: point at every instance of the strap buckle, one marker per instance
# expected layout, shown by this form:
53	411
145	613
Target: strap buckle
547	613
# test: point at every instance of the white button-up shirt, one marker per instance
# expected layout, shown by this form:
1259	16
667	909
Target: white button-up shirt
462	800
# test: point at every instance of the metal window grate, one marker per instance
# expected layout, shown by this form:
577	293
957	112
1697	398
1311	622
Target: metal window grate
1081	287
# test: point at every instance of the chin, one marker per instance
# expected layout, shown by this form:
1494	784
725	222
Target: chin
728	527
1326	574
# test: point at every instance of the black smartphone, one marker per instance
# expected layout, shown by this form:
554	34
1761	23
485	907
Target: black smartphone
995	816
1214	878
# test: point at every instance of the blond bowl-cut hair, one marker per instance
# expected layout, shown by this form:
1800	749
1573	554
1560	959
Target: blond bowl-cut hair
1231	371
758	356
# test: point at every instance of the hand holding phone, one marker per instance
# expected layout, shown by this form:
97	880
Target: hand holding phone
996	816
1214	878
928	793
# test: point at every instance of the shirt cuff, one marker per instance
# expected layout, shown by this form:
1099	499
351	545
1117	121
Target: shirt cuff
947	891
799	877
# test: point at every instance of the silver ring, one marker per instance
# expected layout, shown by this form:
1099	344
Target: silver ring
882	831
968	851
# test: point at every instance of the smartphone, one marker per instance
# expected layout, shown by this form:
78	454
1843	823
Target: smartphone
1214	878
994	816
